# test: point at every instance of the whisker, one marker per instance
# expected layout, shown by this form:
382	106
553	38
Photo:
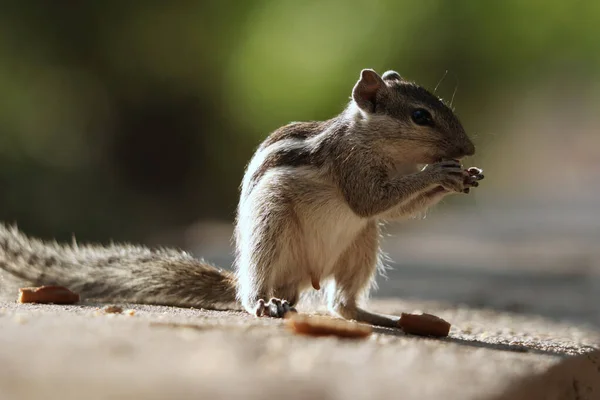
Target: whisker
453	94
438	84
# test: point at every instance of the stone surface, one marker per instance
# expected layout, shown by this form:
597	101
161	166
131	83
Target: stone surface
72	352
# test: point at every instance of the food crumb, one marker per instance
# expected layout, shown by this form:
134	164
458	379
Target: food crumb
113	309
326	326
48	295
424	324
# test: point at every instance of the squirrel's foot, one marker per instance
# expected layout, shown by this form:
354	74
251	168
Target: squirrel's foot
275	308
474	175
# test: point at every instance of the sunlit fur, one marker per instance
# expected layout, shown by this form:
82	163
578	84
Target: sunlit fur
318	214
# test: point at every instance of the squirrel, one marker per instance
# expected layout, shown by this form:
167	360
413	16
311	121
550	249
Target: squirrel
312	202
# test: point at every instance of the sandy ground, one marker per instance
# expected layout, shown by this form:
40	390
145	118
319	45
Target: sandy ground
69	352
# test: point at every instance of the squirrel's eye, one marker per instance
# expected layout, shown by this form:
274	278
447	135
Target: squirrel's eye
422	117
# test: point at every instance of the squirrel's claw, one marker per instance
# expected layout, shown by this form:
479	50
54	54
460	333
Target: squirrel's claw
275	308
474	175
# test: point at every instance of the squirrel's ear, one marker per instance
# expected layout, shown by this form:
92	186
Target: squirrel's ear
366	89
391	76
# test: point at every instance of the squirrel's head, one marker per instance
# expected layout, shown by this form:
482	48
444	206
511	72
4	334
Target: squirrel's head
409	120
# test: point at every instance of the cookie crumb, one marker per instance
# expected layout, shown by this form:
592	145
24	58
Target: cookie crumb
327	326
424	325
48	295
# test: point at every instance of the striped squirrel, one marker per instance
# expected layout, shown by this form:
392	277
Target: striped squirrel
312	200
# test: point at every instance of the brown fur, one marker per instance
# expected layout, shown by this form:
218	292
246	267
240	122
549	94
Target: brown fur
118	272
295	130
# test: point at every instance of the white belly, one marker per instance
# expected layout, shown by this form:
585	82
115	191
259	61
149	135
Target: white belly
328	227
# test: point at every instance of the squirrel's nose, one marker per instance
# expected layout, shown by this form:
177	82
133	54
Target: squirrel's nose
469	149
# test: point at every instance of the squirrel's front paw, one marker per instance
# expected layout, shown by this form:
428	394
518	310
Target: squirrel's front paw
450	175
474	175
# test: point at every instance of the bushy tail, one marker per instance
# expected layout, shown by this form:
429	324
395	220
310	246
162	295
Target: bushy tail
118	272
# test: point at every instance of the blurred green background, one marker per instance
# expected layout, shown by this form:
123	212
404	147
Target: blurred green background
121	119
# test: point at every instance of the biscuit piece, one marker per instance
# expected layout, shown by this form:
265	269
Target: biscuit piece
424	325
48	295
325	326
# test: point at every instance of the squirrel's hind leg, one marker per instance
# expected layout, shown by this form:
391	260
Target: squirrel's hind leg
353	276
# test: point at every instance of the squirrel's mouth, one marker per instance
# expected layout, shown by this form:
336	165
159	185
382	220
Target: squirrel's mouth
440	159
